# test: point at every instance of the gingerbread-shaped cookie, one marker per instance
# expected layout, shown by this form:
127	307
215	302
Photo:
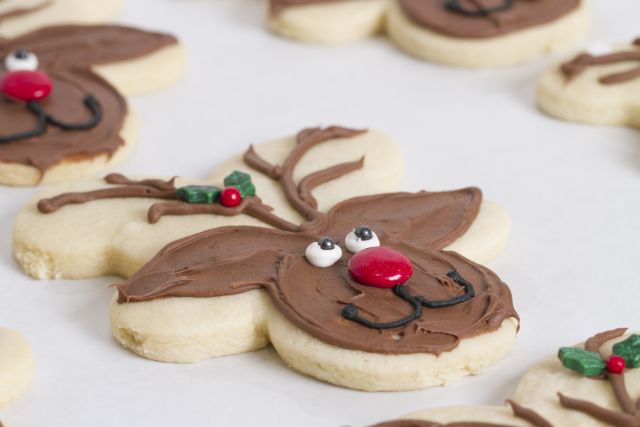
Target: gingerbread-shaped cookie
16	366
21	16
356	291
601	87
594	384
62	114
472	33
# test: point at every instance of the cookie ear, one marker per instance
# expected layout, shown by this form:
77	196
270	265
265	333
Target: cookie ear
80	45
222	261
424	219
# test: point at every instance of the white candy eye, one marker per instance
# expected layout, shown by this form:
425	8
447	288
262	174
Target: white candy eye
21	60
323	253
362	237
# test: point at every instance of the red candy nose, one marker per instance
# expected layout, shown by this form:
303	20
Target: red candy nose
26	85
380	267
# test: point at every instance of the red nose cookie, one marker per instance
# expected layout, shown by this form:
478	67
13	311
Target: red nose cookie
26	85
380	267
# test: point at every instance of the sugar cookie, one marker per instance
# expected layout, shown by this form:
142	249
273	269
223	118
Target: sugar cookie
352	319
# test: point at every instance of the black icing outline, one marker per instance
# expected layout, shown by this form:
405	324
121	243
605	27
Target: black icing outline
350	312
454	6
91	103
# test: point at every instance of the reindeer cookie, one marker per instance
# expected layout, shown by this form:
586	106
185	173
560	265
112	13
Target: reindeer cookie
21	16
16	366
351	286
594	384
62	114
472	33
601	87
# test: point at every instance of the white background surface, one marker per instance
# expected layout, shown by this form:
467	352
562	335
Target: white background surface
573	192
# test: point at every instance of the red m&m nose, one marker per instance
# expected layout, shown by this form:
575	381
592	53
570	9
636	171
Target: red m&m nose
26	85
380	267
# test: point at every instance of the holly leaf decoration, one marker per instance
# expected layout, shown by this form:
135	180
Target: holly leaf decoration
586	363
629	350
242	181
199	194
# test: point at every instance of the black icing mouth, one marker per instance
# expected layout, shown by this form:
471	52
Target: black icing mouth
456	7
350	312
44	119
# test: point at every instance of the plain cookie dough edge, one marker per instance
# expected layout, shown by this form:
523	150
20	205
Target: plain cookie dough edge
509	49
16	366
487	236
333	23
62	12
556	98
147	74
187	330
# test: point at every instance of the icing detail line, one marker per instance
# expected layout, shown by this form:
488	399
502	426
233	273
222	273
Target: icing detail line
583	61
480	11
44	118
24	11
350	312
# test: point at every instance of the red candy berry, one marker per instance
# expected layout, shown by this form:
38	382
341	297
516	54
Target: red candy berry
230	197
616	365
26	85
380	267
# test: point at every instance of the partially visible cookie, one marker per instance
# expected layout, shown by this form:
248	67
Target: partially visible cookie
599	87
595	384
21	16
62	114
16	366
459	32
455	32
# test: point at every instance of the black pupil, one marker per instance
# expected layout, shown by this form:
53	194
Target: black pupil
21	53
364	233
327	244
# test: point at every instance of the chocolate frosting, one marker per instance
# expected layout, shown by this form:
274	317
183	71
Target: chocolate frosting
216	262
583	61
66	53
434	15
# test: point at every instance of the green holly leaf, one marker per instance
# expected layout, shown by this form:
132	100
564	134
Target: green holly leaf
586	363
199	194
242	181
629	350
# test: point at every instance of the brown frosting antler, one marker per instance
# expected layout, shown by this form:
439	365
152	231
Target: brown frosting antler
520	412
299	197
578	65
14	13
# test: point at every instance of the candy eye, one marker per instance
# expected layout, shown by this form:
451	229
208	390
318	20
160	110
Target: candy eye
323	253
362	237
21	60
